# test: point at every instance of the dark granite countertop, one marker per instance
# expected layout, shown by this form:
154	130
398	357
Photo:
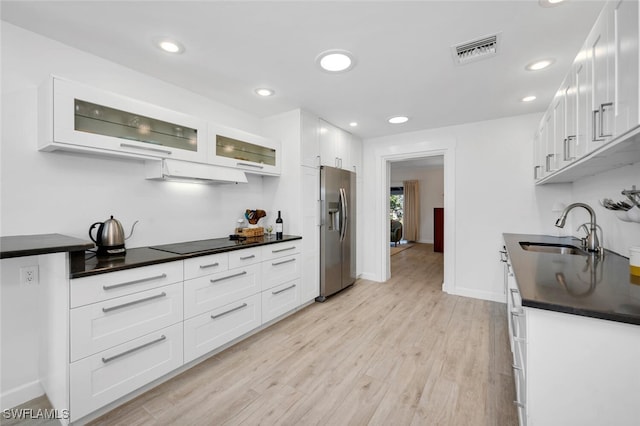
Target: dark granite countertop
574	284
145	256
32	245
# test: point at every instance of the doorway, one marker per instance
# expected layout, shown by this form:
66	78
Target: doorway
385	160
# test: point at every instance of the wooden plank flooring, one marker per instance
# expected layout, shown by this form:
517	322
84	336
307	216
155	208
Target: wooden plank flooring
395	353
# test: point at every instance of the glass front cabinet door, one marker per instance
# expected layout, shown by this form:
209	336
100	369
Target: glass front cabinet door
82	118
238	149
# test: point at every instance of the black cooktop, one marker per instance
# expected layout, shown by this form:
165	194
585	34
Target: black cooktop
202	245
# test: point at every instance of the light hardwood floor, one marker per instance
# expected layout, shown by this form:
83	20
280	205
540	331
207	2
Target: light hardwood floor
395	353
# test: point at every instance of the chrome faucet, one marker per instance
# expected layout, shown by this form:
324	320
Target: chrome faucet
592	243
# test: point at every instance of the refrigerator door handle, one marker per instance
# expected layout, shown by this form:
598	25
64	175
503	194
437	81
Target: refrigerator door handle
344	220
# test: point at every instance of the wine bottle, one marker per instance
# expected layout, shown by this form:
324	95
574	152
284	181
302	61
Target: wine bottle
279	227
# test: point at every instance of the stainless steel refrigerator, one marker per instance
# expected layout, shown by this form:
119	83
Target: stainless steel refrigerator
337	230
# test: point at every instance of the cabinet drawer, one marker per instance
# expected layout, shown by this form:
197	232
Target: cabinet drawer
205	265
120	283
281	270
272	251
240	258
104	377
213	329
280	300
99	326
213	291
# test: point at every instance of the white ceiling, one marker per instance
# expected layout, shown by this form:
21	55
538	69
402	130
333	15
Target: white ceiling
403	50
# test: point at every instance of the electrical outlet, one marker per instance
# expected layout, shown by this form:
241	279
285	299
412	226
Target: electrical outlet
29	275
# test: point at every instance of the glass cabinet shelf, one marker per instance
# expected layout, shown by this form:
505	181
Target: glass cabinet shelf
102	120
244	151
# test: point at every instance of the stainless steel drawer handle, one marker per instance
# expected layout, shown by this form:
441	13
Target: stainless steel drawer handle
229	276
135	302
517	312
211	265
250	165
283	290
284	249
515	367
153	342
535	172
163	151
142	280
244	305
283	262
248	257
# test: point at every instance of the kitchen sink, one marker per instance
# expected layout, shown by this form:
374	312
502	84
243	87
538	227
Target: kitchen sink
552	248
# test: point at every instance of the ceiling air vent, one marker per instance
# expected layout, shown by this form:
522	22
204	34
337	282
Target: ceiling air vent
475	50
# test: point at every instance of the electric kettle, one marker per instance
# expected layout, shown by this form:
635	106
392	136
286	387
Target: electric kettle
110	236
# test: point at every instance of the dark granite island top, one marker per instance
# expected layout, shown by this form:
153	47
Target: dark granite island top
145	256
33	245
574	284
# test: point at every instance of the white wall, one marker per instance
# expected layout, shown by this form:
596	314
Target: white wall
493	190
431	193
65	193
618	235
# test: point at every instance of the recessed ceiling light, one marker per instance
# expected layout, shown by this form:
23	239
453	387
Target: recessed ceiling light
263	91
398	119
336	60
549	3
353	124
528	98
170	46
539	65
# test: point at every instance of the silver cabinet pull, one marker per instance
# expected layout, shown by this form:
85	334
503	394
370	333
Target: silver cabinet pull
229	276
248	257
145	148
503	256
548	162
283	262
283	290
142	280
594	136
135	302
536	169
250	165
284	249
567	148
515	367
211	265
517	312
602	107
153	342
244	305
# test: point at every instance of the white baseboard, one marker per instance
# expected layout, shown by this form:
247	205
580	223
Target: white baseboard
368	276
476	294
21	394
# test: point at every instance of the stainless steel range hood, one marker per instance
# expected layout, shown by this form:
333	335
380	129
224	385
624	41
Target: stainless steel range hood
186	171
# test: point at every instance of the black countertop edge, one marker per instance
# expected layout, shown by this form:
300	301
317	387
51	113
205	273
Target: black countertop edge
33	245
146	256
534	272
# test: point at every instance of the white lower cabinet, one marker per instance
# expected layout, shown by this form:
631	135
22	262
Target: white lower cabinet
212	291
106	376
130	327
279	300
102	325
570	369
209	331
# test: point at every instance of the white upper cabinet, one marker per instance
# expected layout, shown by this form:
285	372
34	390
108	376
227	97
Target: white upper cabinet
626	18
600	60
338	148
245	151
76	117
599	101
